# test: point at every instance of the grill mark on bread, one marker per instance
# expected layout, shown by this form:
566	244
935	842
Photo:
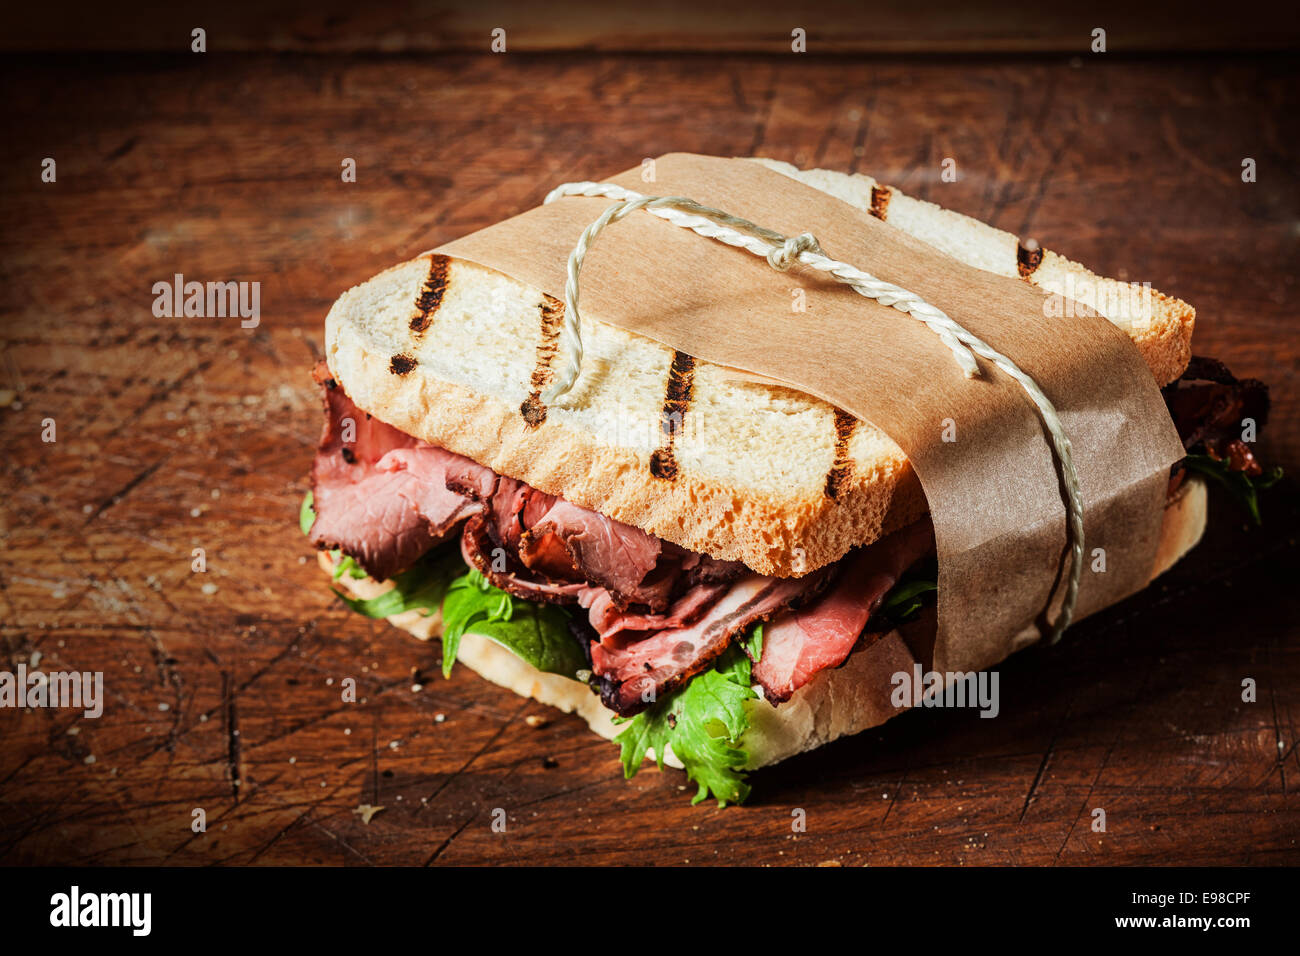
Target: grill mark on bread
1029	254
880	196
842	467
431	293
533	408
401	364
677	399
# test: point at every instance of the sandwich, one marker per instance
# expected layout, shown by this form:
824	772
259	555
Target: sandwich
714	601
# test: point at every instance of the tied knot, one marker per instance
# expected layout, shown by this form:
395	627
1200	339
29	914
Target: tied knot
781	253
787	254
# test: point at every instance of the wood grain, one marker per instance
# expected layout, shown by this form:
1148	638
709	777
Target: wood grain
176	434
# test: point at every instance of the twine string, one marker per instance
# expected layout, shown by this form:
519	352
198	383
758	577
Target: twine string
781	253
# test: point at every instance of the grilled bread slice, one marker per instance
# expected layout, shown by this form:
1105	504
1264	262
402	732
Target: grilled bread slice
835	703
458	355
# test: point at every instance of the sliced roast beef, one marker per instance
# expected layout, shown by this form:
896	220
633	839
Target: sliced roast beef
578	544
608	619
427	491
1209	405
472	480
821	634
480	551
513	508
379	494
702	569
560	541
369	520
636	668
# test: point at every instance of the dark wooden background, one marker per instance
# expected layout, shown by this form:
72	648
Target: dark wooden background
707	26
175	434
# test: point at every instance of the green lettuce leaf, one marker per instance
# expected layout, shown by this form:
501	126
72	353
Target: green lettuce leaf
307	513
906	598
1240	485
537	633
703	722
346	564
421	588
910	593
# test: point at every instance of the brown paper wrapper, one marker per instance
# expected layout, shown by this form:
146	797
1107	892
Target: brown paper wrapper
994	492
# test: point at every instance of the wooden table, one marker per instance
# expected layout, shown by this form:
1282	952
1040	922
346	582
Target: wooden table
175	434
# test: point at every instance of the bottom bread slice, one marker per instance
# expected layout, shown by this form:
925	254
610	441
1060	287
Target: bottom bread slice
836	703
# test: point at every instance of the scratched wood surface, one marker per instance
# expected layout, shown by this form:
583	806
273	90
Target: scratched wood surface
174	434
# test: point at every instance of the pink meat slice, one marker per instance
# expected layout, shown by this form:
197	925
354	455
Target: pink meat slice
799	644
608	619
636	668
577	543
379	494
424	467
476	548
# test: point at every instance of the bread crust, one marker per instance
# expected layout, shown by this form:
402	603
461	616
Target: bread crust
450	352
1160	325
836	703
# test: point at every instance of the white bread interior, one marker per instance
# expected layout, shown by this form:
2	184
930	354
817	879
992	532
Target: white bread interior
836	703
752	459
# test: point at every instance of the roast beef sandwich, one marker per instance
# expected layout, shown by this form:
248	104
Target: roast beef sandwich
716	571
